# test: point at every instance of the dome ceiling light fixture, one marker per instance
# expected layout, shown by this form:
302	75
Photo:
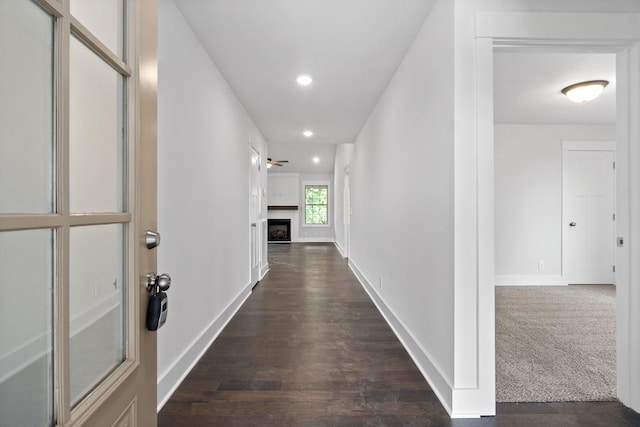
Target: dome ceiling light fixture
304	79
308	133
585	91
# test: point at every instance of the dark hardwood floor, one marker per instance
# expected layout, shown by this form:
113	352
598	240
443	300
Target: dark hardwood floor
309	348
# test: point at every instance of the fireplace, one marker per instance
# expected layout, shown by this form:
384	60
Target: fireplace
279	230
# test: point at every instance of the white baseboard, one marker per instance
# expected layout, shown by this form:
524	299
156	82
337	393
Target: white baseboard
339	248
171	378
15	361
264	269
37	347
314	240
87	318
440	383
546	280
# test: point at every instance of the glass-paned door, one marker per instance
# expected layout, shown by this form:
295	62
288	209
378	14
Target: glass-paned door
73	350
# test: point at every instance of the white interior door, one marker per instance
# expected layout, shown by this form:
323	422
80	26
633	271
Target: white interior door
254	206
77	190
588	212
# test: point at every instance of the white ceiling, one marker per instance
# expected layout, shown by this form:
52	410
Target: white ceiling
352	48
527	87
300	156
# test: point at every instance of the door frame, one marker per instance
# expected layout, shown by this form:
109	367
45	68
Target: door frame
582	146
256	226
617	33
347	212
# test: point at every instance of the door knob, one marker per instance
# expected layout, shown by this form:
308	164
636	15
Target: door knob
155	283
253	224
572	224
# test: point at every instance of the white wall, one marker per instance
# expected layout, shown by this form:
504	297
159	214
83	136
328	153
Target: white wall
528	199
26	113
26	259
344	155
402	201
204	168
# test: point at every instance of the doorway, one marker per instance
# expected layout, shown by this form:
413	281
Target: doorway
493	31
536	131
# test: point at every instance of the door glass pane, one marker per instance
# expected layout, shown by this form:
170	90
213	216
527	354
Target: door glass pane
26	363
104	18
26	108
96	128
96	306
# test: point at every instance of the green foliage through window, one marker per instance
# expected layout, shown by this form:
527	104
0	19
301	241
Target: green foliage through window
316	204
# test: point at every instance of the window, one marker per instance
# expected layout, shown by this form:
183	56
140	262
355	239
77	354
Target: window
316	204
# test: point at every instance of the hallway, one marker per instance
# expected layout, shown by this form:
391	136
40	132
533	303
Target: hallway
309	348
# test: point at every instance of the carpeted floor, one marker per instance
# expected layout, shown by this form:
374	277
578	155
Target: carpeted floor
555	343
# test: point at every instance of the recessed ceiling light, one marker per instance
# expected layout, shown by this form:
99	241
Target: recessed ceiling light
307	133
304	79
316	160
585	91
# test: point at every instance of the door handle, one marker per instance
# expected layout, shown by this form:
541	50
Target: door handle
253	224
158	283
572	224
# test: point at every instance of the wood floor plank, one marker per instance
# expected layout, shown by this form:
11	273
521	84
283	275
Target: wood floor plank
309	348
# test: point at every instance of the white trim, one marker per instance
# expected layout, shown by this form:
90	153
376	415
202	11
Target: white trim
339	248
19	358
620	32
173	376
482	402
546	280
597	28
264	270
312	240
628	226
264	252
304	204
588	146
440	383
93	314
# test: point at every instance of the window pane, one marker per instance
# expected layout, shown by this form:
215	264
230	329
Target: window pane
26	108
26	362
96	306
96	109
104	18
316	198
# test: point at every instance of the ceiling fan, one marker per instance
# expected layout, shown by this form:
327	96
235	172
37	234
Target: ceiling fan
275	162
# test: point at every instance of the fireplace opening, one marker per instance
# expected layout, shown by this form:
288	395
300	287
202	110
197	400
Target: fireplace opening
279	230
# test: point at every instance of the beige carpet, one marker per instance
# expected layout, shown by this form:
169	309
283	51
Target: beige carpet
555	343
